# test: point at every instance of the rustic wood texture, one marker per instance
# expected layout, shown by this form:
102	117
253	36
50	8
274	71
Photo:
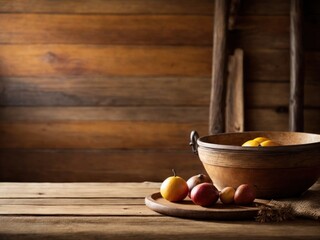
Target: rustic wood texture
250	32
219	67
296	67
125	113
126	215
234	96
105	91
154	227
272	118
106	29
97	134
103	60
63	61
233	13
133	92
277	119
108	7
75	74
96	165
248	7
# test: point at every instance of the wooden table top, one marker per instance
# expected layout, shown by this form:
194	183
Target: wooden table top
117	210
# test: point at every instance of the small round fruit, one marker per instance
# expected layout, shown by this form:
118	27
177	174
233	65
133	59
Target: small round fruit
269	143
261	139
250	143
204	194
245	194
174	189
197	179
227	195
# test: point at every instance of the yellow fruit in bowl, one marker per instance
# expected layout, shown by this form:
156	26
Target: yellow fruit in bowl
260	142
261	139
269	143
251	143
174	188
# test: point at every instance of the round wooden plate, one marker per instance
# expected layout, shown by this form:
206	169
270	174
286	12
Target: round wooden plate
187	209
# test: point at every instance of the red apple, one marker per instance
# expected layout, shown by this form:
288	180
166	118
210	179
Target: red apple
245	194
197	179
204	194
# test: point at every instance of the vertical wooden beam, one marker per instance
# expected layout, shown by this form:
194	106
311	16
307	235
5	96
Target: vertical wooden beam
234	99
296	68
234	8
219	67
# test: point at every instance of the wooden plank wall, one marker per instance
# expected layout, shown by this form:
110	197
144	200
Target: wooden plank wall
110	90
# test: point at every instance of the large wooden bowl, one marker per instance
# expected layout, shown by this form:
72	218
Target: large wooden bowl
277	172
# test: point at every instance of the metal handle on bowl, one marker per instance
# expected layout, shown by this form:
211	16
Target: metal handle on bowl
193	141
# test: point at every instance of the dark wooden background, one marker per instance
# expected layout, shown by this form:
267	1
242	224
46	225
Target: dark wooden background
110	90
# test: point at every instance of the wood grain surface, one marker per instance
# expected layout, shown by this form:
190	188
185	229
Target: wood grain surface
106	29
59	210
250	32
103	60
234	93
63	61
248	7
220	50
97	134
140	91
75	74
96	165
296	103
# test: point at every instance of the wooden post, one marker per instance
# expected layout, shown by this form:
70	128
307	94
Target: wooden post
234	99
219	67
296	68
234	8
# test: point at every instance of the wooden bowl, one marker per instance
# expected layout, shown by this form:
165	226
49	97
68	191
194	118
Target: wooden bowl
277	172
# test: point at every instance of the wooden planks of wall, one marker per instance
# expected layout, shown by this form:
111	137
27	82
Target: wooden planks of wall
110	90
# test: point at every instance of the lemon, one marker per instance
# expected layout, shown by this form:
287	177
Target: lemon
261	139
251	143
269	143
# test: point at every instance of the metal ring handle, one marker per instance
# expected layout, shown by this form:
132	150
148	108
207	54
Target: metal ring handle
193	141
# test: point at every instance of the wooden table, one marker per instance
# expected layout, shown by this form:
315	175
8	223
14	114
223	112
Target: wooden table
117	210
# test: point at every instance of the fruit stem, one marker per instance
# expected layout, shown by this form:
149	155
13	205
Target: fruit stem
174	172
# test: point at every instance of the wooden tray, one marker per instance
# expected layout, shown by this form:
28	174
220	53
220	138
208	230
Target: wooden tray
187	209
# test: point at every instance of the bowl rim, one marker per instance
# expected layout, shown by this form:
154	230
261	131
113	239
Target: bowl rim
293	147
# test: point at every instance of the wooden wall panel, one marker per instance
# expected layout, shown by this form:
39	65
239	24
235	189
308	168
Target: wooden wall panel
63	61
266	94
176	114
186	115
103	60
108	7
277	119
110	90
140	92
273	65
106	29
96	165
270	7
120	165
251	32
97	134
203	7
